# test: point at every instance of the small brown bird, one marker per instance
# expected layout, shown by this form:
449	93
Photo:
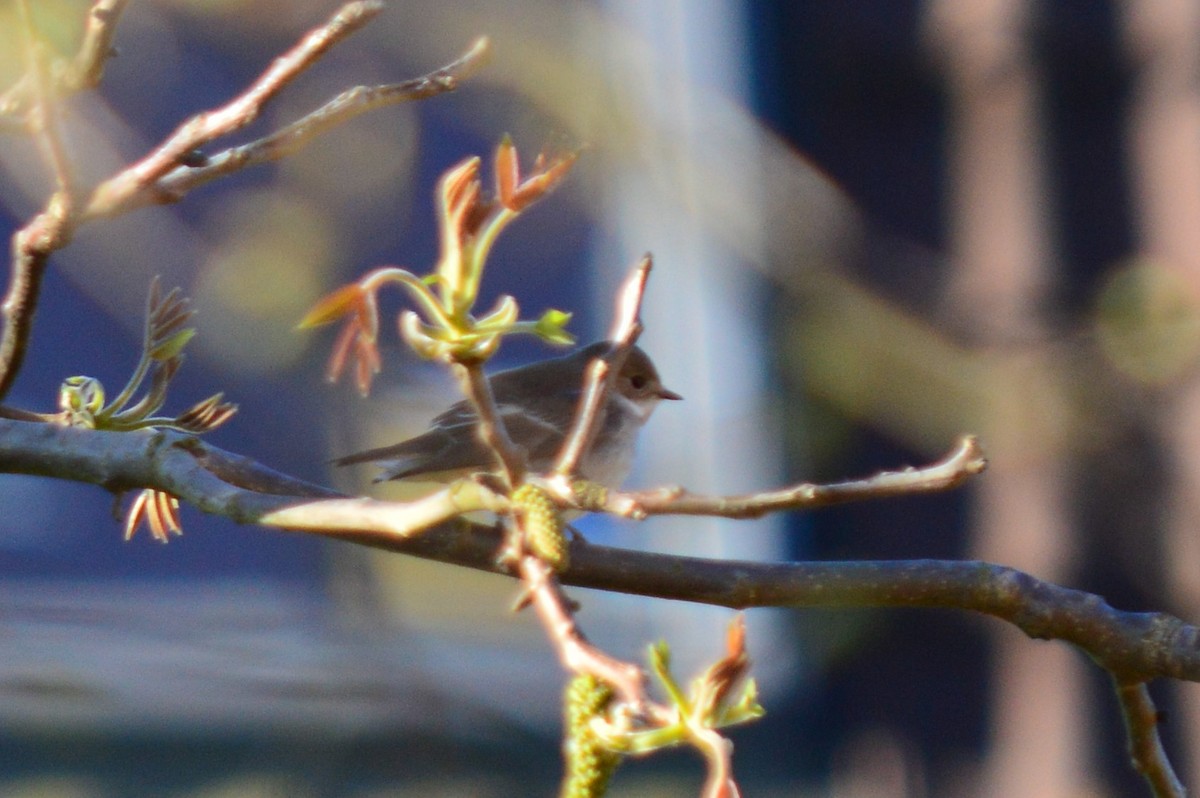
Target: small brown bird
537	404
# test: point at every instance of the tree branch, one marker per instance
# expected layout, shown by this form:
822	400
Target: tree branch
128	188
163	176
43	119
1145	748
1134	647
475	386
87	68
299	134
84	71
576	653
47	231
963	462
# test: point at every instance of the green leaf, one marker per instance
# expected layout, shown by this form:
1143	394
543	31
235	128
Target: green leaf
171	347
501	317
550	327
417	336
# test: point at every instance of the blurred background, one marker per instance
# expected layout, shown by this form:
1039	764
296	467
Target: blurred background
875	226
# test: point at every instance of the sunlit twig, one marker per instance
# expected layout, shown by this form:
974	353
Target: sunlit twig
627	326
1145	748
130	186
478	390
299	134
84	71
577	654
959	465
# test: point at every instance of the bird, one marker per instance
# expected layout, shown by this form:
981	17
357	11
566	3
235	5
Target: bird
537	404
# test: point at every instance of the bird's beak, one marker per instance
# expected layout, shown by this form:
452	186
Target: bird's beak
666	393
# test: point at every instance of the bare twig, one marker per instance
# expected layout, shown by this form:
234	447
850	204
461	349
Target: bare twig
627	326
540	581
43	119
1145	748
46	232
87	68
478	390
84	71
963	462
293	138
691	721
576	653
31	247
125	190
17	414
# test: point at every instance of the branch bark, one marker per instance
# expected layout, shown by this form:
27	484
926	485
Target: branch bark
349	104
123	191
1145	748
1133	646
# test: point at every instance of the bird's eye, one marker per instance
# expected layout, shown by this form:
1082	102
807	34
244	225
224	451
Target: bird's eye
638	381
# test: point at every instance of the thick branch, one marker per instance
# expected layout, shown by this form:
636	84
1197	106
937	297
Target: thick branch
1134	647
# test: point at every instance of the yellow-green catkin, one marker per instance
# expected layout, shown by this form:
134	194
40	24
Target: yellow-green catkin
589	765
544	531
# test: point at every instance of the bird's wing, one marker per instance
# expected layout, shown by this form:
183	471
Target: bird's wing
453	445
541	434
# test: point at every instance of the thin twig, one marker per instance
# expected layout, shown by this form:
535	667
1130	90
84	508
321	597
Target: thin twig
31	248
959	465
576	653
1145	748
87	68
84	71
122	191
477	389
293	138
627	326
20	304
49	230
628	681
43	118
